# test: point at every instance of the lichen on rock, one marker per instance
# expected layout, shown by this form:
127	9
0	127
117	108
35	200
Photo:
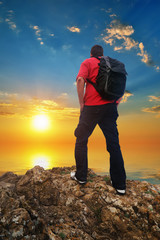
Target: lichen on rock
47	204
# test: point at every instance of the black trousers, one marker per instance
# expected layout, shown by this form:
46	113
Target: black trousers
105	116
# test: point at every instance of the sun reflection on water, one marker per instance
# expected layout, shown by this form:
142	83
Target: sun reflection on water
42	160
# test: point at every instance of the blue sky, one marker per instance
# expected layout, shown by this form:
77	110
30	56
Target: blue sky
43	42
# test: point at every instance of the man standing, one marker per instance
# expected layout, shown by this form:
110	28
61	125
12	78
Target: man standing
95	110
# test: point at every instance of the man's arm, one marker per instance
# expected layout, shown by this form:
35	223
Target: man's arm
80	91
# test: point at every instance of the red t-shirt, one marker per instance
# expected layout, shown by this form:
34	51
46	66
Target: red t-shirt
89	69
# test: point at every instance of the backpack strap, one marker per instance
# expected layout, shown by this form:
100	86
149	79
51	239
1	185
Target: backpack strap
93	84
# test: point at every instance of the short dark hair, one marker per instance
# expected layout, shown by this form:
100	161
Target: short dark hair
97	51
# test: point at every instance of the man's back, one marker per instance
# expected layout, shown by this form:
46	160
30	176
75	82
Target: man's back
89	69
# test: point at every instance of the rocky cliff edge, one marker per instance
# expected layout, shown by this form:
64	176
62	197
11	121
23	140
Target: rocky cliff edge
47	204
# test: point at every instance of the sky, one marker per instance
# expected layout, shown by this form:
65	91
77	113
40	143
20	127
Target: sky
42	44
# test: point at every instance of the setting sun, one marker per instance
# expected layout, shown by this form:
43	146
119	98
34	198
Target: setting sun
41	122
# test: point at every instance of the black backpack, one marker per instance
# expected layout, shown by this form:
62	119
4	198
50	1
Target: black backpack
111	78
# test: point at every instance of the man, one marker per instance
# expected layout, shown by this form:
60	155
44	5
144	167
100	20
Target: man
95	110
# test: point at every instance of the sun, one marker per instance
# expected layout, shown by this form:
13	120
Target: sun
41	122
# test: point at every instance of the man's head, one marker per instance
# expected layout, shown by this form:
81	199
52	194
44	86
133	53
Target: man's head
96	51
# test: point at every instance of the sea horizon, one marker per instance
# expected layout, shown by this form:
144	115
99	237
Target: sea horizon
20	158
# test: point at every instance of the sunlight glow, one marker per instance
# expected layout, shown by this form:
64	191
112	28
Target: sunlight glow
41	122
42	161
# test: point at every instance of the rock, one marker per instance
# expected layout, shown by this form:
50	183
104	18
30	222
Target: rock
47	204
9	177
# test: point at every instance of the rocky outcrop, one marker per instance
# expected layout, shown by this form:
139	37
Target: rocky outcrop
47	204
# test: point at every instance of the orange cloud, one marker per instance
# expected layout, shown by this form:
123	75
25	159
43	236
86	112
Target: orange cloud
74	29
120	35
118	31
145	56
25	107
118	48
126	95
155	109
154	98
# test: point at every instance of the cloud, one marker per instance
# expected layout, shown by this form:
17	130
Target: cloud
23	106
109	40
74	29
67	113
38	33
10	21
120	33
37	30
119	30
154	98
120	37
41	34
7	95
145	56
41	105
118	48
129	43
126	95
154	109
7	105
